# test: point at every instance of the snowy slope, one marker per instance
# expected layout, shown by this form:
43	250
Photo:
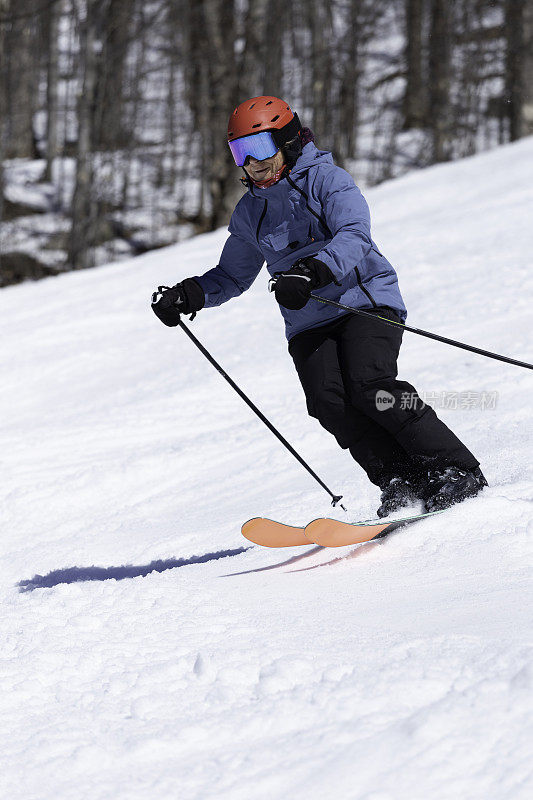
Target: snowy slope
146	654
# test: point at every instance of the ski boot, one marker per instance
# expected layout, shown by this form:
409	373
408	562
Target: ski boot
451	485
396	494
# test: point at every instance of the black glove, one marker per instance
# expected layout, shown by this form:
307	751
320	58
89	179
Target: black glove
184	298
293	288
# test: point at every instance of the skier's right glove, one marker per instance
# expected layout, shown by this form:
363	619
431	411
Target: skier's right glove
293	288
184	298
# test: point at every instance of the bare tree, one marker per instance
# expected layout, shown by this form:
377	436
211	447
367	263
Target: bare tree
527	70
519	66
256	41
212	78
82	234
344	133
4	7
276	16
415	97
320	64
440	49
114	34
20	66
52	21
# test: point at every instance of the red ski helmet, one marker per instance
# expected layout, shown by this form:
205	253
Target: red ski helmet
260	127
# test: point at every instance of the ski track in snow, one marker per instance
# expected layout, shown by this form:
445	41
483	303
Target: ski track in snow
148	651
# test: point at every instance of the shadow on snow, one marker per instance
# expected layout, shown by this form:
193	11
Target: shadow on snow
360	549
285	563
78	574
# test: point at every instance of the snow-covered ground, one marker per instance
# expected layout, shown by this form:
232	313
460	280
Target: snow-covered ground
148	652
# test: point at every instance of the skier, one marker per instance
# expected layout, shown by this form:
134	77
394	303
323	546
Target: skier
308	220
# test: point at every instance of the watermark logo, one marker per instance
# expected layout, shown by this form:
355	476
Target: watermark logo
384	400
466	401
448	401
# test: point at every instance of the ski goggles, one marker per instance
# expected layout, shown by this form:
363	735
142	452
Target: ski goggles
258	146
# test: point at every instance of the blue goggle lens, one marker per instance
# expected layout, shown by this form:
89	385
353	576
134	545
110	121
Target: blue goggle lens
258	145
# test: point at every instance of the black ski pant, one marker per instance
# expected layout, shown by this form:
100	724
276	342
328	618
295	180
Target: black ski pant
348	372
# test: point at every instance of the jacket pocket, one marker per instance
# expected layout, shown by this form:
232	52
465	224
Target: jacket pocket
288	237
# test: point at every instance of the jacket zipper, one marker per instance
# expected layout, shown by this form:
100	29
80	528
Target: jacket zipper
261	218
360	284
306	198
326	228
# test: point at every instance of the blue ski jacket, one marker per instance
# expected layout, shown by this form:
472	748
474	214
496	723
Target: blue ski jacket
316	211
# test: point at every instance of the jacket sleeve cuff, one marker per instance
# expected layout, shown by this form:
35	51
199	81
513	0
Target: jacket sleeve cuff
195	294
328	263
323	274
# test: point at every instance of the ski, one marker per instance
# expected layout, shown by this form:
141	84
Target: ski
269	533
334	533
324	531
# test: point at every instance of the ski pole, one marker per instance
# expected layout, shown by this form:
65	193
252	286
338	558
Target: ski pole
428	334
335	498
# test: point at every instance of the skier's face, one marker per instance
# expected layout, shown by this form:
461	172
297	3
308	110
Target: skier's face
265	169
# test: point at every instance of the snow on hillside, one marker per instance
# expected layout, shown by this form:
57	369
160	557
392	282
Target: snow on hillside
148	651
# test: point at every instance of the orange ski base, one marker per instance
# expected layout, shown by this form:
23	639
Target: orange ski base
268	533
324	532
334	533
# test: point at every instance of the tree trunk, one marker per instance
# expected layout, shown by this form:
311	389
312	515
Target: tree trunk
82	232
273	82
320	66
527	71
519	67
440	45
222	175
52	88
3	106
19	43
345	131
414	105
253	75
109	130
212	89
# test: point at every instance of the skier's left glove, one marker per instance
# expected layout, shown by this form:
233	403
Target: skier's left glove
293	288
184	298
